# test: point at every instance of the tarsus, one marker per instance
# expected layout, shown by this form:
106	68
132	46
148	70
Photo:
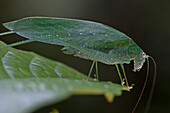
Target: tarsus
124	74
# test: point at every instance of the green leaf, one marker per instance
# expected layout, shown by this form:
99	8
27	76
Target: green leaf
20	64
29	81
18	96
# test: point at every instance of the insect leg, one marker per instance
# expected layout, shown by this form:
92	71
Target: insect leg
119	73
91	70
6	33
18	43
97	71
124	74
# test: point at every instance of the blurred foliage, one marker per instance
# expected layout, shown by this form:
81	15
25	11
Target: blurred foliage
29	81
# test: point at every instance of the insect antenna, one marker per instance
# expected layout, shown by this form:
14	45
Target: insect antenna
6	33
143	87
153	85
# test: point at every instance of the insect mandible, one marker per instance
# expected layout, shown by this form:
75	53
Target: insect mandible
84	39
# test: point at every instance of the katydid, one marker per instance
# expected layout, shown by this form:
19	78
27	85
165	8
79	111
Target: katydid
84	39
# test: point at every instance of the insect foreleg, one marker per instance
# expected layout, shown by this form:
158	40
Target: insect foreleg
6	33
124	74
119	73
91	70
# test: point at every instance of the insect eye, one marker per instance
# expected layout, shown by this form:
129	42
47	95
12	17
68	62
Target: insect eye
144	55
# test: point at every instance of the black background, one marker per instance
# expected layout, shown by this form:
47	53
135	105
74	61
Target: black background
145	21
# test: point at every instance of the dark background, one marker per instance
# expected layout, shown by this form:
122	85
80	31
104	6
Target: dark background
145	21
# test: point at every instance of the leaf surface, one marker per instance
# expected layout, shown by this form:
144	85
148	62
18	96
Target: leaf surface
29	81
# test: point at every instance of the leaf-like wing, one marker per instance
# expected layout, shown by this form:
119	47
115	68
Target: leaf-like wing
85	39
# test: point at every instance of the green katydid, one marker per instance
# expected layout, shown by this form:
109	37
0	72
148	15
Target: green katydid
84	39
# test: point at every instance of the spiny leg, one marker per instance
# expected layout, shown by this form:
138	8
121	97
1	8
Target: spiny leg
18	43
119	73
91	70
97	75
124	74
6	33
